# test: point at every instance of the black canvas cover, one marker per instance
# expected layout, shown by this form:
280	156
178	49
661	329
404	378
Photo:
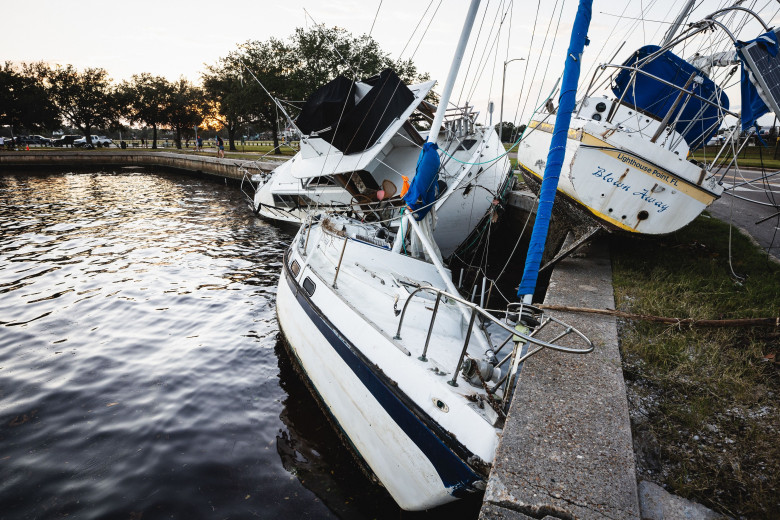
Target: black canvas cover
362	124
324	107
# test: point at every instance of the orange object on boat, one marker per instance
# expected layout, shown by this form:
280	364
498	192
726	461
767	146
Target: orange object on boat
405	186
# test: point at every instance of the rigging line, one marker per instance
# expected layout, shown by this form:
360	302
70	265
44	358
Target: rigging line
485	61
368	40
634	18
655	36
528	57
490	88
541	52
422	36
552	48
607	39
506	58
375	17
332	45
509	6
487	49
629	29
739	279
473	53
415	30
519	139
519	239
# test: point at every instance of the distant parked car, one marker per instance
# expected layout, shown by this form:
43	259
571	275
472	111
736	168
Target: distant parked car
65	140
96	141
40	140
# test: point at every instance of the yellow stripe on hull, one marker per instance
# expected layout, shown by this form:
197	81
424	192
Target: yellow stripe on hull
597	214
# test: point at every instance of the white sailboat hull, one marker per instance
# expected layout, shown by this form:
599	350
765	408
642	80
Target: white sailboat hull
620	180
472	185
407	457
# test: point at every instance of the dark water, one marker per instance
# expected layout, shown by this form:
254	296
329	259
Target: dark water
142	374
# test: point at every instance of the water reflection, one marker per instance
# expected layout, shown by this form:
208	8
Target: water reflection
141	372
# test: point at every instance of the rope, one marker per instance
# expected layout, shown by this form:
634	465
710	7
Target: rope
692	322
508	150
415	29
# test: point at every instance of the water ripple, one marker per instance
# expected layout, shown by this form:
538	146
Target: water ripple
141	372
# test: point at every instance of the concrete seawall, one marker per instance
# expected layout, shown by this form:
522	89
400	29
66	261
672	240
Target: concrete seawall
229	168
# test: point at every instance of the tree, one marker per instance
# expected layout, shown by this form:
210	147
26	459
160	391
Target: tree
185	109
236	98
271	64
86	100
505	130
24	103
321	54
148	99
290	70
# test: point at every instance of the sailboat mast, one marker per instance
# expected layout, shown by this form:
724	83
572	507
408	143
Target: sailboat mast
439	118
453	74
552	172
684	12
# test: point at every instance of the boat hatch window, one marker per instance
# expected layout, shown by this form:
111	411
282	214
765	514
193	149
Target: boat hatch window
291	201
295	267
308	286
320	181
467	144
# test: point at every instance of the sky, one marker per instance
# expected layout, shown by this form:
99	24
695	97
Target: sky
175	38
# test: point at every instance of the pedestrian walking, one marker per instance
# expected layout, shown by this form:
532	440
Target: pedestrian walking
221	148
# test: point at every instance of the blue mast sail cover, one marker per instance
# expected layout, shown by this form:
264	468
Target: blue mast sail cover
753	106
698	121
567	101
423	190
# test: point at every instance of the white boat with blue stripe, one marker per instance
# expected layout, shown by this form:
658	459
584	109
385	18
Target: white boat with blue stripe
417	378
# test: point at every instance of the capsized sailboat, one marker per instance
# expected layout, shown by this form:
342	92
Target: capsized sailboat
359	150
627	165
417	378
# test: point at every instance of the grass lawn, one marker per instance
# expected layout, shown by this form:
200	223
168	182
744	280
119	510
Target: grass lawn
705	403
751	156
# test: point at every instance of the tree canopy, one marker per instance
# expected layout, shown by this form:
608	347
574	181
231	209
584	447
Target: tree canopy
86	99
147	99
24	102
254	86
185	108
241	88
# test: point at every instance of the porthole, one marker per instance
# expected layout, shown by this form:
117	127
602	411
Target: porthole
596	117
295	267
642	215
309	286
441	405
601	106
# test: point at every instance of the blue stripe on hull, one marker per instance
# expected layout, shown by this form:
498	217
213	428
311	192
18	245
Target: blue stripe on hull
456	476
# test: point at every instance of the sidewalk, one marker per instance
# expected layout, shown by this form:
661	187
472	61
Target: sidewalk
566	451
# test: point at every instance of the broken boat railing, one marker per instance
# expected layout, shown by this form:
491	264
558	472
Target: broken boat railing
518	309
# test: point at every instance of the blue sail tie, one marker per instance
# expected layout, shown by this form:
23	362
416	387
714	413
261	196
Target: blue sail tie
552	171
